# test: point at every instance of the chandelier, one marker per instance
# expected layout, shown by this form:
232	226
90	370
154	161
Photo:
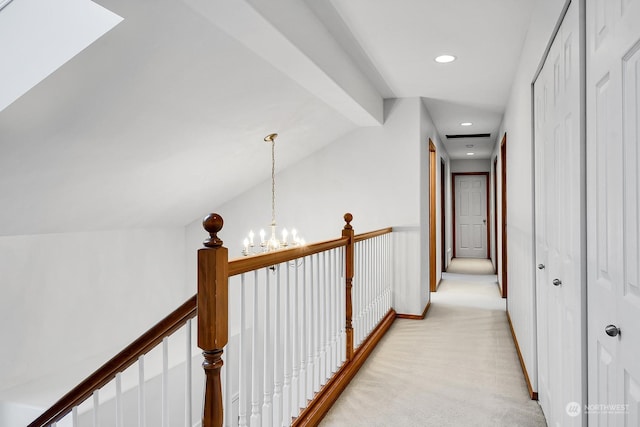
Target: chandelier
250	245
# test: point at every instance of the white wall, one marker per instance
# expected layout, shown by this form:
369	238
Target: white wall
470	165
72	301
520	237
376	173
429	132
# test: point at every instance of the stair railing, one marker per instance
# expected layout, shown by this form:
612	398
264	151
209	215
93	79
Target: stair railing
281	333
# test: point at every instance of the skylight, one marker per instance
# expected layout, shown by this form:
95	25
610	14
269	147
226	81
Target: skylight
38	36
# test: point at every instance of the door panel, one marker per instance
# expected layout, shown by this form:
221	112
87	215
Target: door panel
471	216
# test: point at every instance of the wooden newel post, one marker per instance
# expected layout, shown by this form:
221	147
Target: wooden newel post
348	232
213	275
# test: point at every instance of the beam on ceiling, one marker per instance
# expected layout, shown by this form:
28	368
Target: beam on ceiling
288	35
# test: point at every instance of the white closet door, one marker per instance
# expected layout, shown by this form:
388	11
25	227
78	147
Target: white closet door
559	218
613	184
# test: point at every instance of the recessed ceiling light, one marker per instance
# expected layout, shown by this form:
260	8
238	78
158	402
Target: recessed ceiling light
466	124
443	59
471	154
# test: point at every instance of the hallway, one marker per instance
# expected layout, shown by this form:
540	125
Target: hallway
458	367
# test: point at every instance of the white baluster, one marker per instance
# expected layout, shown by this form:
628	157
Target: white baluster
359	290
165	382
74	416
277	356
379	274
315	272
227	413
328	309
380	280
96	408
355	304
267	409
374	283
295	347
379	277
343	305
188	394
365	288
332	312
255	392
242	356
335	311
142	406
304	312
340	318
369	263
119	413
389	271
286	389
363	284
363	294
309	332
323	321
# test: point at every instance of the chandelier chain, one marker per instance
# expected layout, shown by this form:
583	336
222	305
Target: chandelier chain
273	182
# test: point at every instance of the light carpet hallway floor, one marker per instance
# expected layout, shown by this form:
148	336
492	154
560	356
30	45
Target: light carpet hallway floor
457	367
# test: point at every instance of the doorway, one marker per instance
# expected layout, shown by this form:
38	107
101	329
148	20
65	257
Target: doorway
432	217
503	209
495	213
443	217
470	213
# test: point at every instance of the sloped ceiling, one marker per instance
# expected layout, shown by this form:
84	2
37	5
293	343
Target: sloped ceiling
162	118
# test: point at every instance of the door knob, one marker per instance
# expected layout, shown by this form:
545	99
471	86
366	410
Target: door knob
484	221
557	282
540	266
612	330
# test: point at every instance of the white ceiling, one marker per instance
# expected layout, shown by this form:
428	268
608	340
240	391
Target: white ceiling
162	118
401	38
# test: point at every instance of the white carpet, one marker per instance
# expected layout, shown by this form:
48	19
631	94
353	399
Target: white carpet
458	367
481	266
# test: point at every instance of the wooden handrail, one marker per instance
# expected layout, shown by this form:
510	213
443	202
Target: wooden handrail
118	363
255	262
372	234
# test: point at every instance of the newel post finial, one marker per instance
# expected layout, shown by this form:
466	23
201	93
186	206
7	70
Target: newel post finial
348	218
213	223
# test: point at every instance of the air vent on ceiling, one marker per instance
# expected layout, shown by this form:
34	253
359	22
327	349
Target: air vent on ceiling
470	135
